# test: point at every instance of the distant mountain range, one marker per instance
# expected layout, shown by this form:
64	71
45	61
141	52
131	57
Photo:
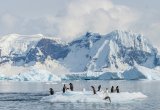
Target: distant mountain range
117	55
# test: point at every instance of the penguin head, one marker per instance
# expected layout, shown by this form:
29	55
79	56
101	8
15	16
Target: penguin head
92	87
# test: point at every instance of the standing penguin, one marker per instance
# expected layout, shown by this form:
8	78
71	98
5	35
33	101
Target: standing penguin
99	88
94	91
51	91
71	86
117	89
64	88
112	89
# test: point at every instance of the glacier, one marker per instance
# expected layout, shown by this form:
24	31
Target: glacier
118	55
32	75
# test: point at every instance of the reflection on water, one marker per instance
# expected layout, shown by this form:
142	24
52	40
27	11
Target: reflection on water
27	95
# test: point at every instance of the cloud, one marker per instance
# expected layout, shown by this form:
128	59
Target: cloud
153	33
75	18
8	21
99	16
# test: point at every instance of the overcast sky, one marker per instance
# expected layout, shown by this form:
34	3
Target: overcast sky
70	18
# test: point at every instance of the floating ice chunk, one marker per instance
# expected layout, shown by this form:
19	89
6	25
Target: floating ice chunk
87	96
126	96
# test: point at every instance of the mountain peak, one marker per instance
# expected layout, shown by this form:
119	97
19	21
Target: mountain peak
124	33
130	40
113	53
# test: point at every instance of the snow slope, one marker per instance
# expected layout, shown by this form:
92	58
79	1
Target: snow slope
19	44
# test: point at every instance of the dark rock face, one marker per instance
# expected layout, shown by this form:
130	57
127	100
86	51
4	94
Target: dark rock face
85	40
53	49
47	47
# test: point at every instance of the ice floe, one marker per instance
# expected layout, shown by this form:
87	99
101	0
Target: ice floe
88	97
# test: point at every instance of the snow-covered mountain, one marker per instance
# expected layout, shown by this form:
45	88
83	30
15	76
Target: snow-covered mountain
117	55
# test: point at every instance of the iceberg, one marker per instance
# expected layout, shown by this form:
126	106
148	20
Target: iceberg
37	75
32	74
88	97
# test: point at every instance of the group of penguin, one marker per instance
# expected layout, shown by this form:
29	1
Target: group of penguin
106	91
64	89
112	89
94	91
93	88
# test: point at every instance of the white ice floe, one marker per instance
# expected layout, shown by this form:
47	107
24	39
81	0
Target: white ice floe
88	97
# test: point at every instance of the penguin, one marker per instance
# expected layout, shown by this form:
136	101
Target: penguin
107	95
51	91
94	91
71	86
117	89
64	88
112	89
99	88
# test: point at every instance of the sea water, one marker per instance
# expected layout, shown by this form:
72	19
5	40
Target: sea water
28	95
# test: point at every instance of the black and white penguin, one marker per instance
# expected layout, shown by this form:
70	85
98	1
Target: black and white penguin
71	86
99	88
112	89
94	91
117	89
64	88
51	91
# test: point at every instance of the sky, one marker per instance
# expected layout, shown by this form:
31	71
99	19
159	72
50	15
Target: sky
68	19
